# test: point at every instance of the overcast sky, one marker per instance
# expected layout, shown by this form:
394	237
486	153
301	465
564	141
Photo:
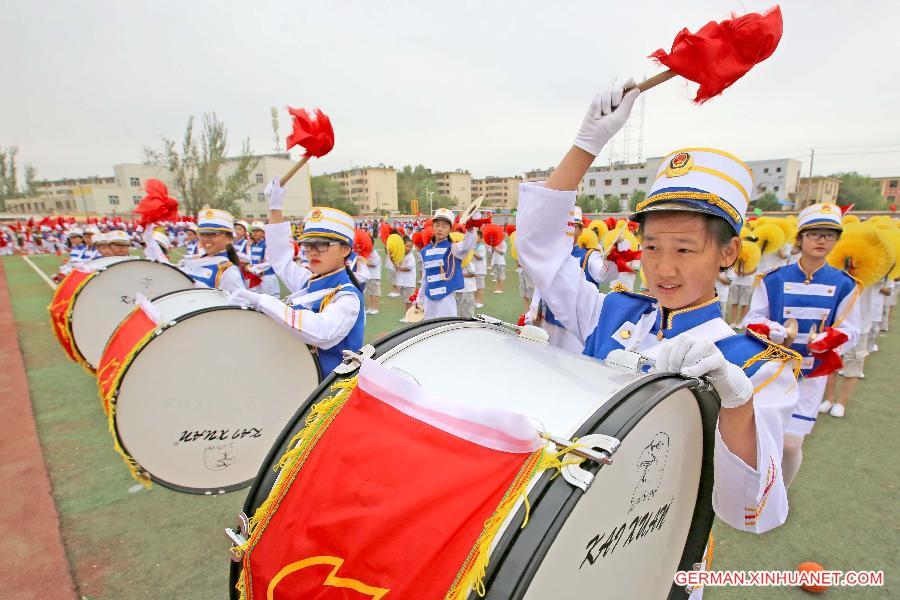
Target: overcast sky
493	87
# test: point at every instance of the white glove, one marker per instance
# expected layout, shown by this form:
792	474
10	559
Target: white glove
530	316
777	332
275	193
696	357
244	298
602	122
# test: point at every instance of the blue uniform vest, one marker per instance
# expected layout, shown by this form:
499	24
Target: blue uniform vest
240	246
331	357
258	255
79	253
443	271
212	273
811	302
582	255
191	247
620	308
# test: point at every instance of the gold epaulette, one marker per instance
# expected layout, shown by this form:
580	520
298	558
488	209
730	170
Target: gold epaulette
619	287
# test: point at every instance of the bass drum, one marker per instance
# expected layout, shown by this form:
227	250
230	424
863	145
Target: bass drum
645	516
100	304
197	401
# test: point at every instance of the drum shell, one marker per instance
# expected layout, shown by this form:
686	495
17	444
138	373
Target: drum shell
517	554
217	388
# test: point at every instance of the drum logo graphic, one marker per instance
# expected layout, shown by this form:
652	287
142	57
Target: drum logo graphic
331	580
680	164
651	465
221	457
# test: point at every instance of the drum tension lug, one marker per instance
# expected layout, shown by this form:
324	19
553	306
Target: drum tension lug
530	333
352	360
596	447
239	537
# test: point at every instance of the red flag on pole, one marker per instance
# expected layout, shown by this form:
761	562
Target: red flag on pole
721	53
157	205
391	493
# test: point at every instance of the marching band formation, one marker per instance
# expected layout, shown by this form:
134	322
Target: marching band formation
775	312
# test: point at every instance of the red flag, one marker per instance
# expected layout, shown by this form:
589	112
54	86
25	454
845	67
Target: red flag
721	53
845	208
312	130
391	493
157	205
824	350
622	258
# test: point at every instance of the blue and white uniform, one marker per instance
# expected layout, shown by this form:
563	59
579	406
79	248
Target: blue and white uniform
442	272
325	311
752	499
259	265
826	297
214	271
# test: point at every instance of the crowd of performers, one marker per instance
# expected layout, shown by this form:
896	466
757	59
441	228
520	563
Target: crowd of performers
778	313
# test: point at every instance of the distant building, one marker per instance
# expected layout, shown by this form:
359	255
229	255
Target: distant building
812	190
890	189
538	174
779	176
370	189
500	193
118	195
455	184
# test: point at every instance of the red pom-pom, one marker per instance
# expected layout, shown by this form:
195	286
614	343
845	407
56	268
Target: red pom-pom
493	235
633	226
427	235
362	243
610	222
417	240
384	230
312	131
157	205
510	229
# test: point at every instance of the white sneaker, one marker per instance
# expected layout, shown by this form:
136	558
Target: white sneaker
837	410
498	291
479	306
393	295
403	320
374	311
825	406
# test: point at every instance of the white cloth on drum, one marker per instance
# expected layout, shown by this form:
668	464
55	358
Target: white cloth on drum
748	499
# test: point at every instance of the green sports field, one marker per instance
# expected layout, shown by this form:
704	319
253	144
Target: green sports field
124	542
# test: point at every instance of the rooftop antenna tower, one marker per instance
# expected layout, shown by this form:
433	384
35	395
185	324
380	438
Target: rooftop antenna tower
275	129
628	145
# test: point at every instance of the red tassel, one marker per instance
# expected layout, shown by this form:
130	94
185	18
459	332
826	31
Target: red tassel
157	205
829	362
721	53
252	279
622	258
312	131
831	340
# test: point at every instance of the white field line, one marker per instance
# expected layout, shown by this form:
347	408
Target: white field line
39	272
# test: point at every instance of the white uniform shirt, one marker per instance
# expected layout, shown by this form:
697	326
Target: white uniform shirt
498	256
407	278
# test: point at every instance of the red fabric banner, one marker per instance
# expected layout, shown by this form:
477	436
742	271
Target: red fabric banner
129	337
385	506
61	305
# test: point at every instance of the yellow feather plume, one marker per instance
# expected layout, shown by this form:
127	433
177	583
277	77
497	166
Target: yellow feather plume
789	229
770	237
864	253
396	248
892	237
626	236
512	246
598	227
588	239
850	219
748	259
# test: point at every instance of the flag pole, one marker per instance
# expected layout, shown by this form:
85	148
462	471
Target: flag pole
297	166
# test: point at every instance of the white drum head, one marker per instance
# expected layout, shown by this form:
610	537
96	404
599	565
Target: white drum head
108	298
203	402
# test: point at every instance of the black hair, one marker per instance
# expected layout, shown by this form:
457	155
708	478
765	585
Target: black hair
717	229
232	255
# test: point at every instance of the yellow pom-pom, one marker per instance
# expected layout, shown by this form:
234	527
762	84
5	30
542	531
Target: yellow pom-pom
748	259
747	233
850	219
456	236
892	237
512	246
770	237
598	227
588	239
789	229
620	233
863	252
396	248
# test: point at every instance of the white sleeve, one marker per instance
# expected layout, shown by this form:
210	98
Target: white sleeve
480	252
461	248
755	500
231	279
151	248
544	246
323	329
759	307
599	269
848	318
361	271
280	254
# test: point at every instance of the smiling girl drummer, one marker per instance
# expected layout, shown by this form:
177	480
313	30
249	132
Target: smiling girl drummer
326	308
689	225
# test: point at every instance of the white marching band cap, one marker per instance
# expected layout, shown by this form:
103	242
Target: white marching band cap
193	227
75	231
100	239
214	220
329	223
257	226
117	236
162	238
576	217
445	214
92	229
823	215
702	180
242	223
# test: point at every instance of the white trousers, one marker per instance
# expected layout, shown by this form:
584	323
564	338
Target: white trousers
809	397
